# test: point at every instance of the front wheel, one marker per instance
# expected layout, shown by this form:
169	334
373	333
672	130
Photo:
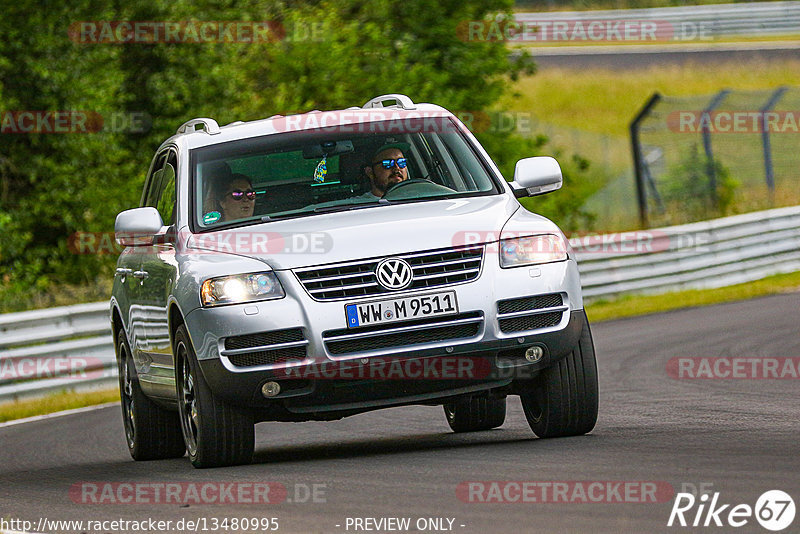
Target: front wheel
477	413
216	433
562	399
151	432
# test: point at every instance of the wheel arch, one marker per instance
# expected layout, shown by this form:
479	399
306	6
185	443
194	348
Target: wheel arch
174	320
116	324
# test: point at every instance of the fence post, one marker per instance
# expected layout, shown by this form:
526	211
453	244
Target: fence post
705	121
768	173
638	164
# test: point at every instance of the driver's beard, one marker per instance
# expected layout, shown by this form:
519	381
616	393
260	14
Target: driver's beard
393	180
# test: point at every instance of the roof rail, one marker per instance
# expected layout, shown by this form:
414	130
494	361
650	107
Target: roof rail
402	101
210	126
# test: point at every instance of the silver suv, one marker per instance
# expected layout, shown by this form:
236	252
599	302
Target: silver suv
316	266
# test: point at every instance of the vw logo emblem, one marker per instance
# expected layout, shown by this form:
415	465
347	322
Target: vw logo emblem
394	273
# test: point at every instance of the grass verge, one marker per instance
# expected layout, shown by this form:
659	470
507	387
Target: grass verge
627	306
588	111
17	297
56	402
605	100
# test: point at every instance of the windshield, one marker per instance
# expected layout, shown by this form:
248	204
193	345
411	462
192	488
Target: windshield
302	173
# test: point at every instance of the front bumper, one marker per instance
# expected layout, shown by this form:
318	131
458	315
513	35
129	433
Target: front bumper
419	377
361	379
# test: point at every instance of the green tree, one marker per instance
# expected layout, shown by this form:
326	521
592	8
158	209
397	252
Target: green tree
333	54
341	53
53	185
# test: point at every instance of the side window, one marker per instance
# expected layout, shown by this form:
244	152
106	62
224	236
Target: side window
166	198
153	181
161	187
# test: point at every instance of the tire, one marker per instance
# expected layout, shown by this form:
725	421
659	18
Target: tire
562	400
216	433
151	432
478	413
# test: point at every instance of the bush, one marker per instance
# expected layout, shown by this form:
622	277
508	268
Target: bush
686	188
565	207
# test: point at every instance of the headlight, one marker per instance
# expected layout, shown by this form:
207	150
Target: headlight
531	250
240	288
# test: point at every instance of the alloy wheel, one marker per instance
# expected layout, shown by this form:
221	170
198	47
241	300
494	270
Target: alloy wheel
189	412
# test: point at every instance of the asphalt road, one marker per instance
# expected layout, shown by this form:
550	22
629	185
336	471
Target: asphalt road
633	57
740	436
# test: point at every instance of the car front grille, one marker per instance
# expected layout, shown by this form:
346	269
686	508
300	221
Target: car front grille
530	322
264	338
405	334
433	268
266	348
530	313
530	303
268	357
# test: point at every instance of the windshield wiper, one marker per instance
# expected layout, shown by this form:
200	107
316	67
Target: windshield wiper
324	209
348	207
286	215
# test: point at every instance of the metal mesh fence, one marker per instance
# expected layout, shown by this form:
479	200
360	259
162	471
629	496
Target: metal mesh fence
613	206
785	145
705	156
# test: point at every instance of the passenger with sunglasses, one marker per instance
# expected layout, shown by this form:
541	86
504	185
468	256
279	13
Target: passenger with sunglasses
386	168
235	197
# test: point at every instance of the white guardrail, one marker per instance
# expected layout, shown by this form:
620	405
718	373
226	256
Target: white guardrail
708	254
63	348
716	20
55	343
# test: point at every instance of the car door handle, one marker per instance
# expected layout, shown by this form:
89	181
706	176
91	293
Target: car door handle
124	272
140	274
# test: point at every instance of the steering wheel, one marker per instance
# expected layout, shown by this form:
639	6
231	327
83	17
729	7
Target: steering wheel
398	185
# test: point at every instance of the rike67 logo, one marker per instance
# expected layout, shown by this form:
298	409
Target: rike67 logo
774	510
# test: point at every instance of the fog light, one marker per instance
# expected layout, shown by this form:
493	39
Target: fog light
534	354
270	389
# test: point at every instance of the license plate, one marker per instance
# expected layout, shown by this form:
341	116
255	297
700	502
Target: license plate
402	309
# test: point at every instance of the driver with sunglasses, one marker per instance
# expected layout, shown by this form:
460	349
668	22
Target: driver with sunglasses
236	197
386	168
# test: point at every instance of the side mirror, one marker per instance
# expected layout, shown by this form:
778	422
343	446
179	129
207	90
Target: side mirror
138	226
536	176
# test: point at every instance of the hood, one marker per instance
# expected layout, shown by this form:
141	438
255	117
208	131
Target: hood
368	233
